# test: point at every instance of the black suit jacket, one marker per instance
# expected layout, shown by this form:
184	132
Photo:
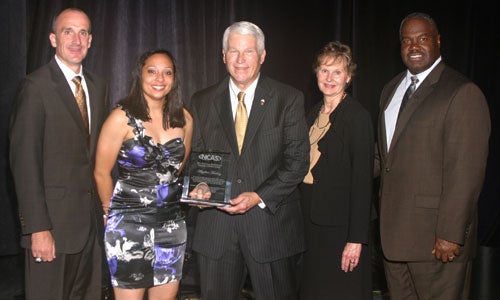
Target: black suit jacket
274	159
343	175
52	157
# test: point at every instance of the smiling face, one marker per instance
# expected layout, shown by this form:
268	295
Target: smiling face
157	77
333	76
71	38
242	59
420	44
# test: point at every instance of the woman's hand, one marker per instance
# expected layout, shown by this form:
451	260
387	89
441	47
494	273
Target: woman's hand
350	256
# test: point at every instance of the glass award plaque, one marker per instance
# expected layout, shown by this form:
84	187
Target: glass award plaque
210	168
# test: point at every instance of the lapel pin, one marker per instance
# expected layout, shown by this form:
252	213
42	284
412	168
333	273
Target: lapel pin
262	102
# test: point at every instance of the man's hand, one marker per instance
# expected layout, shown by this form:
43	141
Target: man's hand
445	250
241	204
201	191
43	246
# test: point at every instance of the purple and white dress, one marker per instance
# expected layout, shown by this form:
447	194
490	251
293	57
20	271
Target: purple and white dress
145	235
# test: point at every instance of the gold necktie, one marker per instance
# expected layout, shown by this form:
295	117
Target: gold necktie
80	100
240	120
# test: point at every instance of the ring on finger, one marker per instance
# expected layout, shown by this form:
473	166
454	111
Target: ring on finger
38	260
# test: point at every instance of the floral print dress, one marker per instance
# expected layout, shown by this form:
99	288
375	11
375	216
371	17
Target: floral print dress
145	235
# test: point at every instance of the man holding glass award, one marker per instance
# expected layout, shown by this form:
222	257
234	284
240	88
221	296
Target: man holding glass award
250	148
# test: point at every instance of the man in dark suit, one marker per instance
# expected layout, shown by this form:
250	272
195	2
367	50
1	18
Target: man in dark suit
432	159
52	160
261	232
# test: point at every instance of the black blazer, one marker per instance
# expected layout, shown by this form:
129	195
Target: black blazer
343	175
52	157
273	161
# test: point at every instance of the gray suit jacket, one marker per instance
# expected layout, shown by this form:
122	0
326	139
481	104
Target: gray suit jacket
274	160
432	174
52	157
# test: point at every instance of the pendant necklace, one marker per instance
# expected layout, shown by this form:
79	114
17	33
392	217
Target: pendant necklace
324	127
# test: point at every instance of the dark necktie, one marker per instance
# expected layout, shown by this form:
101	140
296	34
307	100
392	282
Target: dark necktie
81	101
240	120
409	92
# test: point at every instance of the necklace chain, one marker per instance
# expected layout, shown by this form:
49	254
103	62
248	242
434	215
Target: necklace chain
317	122
324	127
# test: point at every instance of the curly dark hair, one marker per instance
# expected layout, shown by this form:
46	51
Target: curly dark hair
135	103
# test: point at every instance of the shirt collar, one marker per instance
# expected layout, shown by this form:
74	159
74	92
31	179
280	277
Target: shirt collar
250	89
68	73
422	75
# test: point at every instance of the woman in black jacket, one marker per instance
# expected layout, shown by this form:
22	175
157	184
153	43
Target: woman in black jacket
337	190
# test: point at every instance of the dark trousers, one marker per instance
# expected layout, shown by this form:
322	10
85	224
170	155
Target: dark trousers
68	276
428	280
223	278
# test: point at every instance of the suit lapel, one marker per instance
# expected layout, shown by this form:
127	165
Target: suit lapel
94	110
66	97
382	134
260	103
425	88
222	105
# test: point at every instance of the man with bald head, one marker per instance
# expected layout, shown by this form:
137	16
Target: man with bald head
433	133
55	123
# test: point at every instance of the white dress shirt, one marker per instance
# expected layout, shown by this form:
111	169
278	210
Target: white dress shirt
392	110
69	75
249	95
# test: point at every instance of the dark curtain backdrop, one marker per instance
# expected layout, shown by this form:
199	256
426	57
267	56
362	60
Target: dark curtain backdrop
295	30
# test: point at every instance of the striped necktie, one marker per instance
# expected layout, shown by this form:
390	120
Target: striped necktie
409	92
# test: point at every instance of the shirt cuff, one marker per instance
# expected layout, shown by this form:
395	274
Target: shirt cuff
262	204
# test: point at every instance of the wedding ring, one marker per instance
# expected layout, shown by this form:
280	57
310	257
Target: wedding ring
38	259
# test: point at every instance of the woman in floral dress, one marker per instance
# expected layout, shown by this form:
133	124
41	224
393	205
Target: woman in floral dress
149	137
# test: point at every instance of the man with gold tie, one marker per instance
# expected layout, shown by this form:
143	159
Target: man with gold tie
55	124
260	123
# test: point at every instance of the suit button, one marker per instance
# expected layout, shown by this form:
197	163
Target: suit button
239	180
387	170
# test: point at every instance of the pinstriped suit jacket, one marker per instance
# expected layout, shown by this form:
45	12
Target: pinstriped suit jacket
273	161
432	173
52	157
